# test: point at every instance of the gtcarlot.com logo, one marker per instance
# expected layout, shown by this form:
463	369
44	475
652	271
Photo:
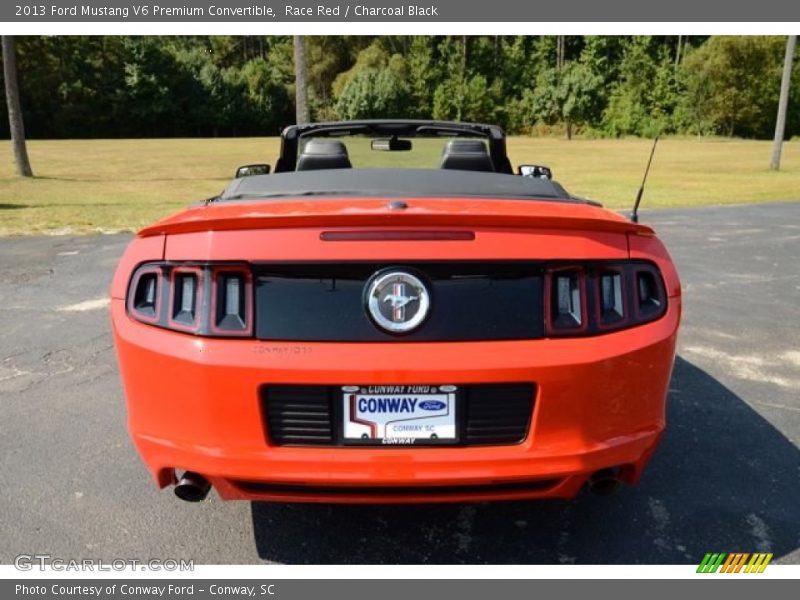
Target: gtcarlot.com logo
27	562
735	562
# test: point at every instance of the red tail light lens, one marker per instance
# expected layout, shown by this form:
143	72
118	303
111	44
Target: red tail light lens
610	296
209	299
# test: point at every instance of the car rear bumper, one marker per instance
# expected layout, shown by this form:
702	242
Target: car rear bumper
193	404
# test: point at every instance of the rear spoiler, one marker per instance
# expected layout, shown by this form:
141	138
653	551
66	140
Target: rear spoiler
421	212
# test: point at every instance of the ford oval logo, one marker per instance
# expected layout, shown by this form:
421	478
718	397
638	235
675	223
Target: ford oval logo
432	405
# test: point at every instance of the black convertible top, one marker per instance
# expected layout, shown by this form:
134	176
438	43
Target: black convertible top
393	183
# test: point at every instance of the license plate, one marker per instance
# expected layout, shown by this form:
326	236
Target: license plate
399	414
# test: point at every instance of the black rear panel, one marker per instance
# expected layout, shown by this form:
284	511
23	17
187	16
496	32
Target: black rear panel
469	301
309	415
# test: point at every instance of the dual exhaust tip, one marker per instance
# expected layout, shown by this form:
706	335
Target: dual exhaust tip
192	487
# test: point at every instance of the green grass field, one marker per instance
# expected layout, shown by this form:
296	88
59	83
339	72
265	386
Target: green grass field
84	186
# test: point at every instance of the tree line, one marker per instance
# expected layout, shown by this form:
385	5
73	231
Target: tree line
186	86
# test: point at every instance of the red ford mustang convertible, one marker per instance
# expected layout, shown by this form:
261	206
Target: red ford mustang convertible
435	329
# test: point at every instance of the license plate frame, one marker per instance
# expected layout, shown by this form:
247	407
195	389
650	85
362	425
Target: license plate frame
447	435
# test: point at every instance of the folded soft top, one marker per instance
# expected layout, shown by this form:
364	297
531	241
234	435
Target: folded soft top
394	183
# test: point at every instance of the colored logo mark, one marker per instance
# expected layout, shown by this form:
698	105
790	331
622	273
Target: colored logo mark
432	405
734	562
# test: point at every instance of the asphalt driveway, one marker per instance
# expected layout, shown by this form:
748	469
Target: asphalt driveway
726	478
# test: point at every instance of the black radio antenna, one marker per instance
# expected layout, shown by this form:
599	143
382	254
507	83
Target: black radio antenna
635	213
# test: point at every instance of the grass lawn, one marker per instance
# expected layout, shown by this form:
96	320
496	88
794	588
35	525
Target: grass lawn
100	185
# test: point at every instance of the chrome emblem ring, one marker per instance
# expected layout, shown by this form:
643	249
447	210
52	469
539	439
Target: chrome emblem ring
398	302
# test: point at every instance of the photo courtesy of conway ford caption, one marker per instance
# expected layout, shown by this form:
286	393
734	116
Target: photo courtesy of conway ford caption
424	330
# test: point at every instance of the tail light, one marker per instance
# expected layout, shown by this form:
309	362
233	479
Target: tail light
144	297
649	298
207	299
611	301
231	301
185	293
565	300
598	297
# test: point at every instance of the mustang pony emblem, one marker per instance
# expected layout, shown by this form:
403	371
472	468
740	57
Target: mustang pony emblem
397	301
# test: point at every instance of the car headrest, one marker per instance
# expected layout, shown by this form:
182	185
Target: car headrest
466	155
323	154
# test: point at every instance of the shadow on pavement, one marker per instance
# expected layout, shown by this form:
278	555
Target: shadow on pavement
723	480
